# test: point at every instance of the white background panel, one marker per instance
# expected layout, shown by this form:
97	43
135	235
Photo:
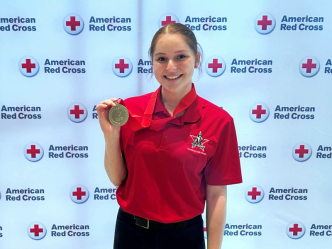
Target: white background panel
235	92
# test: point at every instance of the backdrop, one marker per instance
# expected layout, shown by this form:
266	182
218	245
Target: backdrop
267	63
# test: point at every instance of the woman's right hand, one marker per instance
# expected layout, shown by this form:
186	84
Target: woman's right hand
103	109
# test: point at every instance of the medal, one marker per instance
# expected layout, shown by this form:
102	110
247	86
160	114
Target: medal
118	115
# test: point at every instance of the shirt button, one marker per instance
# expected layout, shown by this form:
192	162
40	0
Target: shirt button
165	137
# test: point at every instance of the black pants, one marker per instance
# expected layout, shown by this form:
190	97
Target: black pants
130	236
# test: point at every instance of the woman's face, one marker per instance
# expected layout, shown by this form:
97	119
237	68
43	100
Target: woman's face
174	62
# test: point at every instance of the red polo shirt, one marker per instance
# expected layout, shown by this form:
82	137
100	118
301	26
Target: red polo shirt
170	164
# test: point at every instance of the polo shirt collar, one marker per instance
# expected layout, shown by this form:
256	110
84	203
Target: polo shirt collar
159	107
192	113
191	103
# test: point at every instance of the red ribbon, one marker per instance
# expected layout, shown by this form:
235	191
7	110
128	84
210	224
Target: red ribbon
137	122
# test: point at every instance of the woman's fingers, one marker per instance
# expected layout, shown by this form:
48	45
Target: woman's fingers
106	104
103	109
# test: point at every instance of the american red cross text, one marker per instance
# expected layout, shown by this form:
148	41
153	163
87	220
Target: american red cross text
28	65
264	22
215	65
73	23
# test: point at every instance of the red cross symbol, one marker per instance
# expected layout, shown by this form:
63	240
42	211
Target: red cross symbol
295	229
309	65
73	23
122	65
254	193
167	21
36	230
264	22
33	151
28	65
259	111
215	65
301	151
77	111
79	193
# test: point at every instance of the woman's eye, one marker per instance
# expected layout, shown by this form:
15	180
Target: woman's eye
182	56
161	59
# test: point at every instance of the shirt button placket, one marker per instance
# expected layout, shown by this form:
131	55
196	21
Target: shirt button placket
164	136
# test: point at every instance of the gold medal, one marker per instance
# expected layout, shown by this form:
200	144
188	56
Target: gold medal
118	115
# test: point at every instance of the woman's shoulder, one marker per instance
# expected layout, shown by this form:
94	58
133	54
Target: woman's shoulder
212	110
138	102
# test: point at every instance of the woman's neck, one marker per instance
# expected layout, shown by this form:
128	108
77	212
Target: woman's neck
172	99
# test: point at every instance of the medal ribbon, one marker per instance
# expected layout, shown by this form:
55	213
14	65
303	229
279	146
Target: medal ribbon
137	122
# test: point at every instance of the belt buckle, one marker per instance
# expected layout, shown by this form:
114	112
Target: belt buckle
140	222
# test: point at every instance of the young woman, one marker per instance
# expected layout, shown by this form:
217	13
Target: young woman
176	151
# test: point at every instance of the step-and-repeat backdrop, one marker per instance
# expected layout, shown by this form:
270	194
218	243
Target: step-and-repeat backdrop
268	63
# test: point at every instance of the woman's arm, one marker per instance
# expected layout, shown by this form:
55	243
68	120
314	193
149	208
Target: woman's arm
215	215
114	162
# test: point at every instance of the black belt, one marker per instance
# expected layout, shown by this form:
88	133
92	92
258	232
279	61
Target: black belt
151	224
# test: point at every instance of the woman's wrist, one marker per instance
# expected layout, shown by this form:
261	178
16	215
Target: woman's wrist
112	138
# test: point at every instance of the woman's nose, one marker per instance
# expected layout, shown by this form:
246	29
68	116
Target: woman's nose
171	65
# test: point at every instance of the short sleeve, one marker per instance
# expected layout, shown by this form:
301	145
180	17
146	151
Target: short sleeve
224	168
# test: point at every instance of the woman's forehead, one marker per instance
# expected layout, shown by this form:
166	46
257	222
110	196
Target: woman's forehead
171	42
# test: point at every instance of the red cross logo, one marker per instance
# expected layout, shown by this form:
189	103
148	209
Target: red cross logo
79	193
301	151
121	65
73	23
264	22
215	65
259	111
167	21
309	65
254	193
28	65
36	230
295	229
33	151
77	111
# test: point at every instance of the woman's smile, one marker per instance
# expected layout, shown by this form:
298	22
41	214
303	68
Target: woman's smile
169	77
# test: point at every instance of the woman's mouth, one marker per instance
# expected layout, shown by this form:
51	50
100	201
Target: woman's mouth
173	77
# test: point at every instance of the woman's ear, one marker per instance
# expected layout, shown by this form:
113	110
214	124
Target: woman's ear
198	59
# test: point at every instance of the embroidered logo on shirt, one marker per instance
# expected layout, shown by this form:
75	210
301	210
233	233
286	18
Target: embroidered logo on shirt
199	141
